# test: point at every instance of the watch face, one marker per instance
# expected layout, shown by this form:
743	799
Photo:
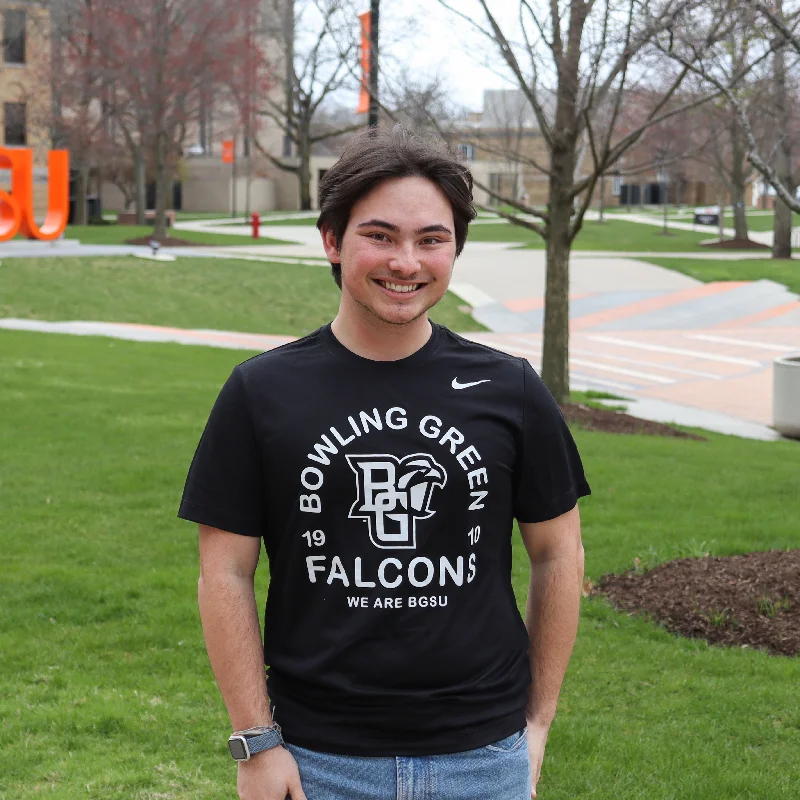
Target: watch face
237	748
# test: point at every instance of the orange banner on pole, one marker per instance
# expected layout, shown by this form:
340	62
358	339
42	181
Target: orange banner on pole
16	206
227	151
363	98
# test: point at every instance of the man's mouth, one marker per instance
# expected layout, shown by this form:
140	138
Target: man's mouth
400	287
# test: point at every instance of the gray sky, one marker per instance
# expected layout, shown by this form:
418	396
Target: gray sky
447	44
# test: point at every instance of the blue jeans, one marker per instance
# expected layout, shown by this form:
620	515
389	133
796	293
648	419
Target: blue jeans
498	771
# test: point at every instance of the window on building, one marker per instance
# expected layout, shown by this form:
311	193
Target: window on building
467	151
14	36
14	118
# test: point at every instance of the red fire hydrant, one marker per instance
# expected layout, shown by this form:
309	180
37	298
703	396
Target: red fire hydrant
255	219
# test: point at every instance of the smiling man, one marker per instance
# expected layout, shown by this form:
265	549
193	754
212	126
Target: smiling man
382	460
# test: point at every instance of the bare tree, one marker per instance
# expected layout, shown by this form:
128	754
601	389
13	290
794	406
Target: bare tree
569	58
77	117
782	226
317	57
158	60
778	37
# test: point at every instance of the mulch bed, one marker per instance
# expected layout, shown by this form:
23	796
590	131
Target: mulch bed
165	241
752	600
604	419
736	244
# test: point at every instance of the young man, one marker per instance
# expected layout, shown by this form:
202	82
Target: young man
382	460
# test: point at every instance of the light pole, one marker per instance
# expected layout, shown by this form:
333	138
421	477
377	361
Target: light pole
662	176
374	15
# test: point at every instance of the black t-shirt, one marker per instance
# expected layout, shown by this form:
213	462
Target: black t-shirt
385	493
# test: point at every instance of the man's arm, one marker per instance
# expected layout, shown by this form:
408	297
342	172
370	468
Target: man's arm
551	617
226	597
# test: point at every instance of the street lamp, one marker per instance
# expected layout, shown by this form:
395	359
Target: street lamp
662	176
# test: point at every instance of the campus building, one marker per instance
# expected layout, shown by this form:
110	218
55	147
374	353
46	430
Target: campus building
25	90
488	140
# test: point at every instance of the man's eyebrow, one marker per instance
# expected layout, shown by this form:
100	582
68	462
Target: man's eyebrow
389	226
438	228
378	223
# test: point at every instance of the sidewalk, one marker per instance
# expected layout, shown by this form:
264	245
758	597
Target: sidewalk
682	350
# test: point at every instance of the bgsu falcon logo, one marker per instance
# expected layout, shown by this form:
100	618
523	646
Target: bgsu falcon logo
393	493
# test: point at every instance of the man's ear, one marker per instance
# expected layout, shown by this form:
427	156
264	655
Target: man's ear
330	244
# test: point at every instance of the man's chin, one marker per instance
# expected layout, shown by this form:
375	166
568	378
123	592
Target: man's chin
401	317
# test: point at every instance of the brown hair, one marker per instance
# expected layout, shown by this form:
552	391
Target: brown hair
374	155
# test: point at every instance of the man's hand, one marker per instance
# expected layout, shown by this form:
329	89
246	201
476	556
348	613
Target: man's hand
537	739
271	775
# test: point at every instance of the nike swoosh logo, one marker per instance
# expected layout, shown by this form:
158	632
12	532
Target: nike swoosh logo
457	385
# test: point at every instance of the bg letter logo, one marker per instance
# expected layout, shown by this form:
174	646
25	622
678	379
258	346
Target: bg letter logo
393	493
16	207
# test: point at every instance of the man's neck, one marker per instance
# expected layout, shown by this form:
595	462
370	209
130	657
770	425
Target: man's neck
372	338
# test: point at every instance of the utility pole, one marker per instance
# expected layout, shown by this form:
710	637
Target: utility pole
374	13
233	179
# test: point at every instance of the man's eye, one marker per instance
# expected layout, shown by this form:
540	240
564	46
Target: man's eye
431	240
379	237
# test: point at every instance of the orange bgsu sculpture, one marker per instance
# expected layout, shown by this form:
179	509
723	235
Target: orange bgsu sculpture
16	207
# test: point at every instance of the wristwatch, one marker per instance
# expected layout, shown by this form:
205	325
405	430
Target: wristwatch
244	744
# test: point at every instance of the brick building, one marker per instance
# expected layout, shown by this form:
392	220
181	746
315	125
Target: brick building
25	90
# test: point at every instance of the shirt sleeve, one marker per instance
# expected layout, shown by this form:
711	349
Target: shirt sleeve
224	487
549	476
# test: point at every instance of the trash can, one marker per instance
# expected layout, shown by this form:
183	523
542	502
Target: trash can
786	396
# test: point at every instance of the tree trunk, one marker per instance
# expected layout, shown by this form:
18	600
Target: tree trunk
782	229
738	156
602	195
81	190
304	173
555	347
721	208
739	216
141	188
782	226
160	229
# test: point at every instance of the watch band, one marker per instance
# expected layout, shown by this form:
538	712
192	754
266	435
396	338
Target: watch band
244	744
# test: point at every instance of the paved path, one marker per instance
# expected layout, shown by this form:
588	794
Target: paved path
684	351
709	381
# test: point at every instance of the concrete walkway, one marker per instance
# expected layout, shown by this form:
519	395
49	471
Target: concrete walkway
683	351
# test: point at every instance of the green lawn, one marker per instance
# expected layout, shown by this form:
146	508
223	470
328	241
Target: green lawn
760	222
613	235
185	216
273	218
757	220
307	221
223	294
746	269
119	234
105	690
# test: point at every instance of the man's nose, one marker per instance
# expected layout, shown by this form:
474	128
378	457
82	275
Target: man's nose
404	259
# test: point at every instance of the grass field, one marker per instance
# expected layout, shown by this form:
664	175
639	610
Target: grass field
307	221
757	220
105	690
119	234
747	269
222	294
613	235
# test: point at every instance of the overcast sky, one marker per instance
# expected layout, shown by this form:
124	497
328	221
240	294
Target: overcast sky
446	44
